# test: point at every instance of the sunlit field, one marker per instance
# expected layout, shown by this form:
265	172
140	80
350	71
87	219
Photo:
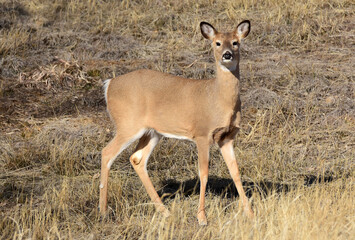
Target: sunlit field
295	148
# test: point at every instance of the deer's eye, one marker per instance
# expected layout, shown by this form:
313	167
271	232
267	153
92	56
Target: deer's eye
218	44
235	43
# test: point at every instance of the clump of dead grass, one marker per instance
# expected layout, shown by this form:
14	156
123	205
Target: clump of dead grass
61	75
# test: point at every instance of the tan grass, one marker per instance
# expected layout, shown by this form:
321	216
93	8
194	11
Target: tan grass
295	149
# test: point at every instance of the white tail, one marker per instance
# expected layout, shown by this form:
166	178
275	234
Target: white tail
147	105
106	84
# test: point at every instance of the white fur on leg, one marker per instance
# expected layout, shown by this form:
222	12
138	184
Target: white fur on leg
124	146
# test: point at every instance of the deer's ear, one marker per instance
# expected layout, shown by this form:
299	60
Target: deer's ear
207	30
243	29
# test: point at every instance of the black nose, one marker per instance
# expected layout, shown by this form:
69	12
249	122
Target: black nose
227	55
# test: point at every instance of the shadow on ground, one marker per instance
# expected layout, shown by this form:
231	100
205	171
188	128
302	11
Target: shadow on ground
225	187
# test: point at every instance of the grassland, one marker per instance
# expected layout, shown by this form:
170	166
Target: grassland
295	149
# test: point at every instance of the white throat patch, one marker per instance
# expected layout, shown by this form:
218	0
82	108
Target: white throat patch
225	69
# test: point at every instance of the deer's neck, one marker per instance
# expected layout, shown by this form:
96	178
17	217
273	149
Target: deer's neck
228	82
228	100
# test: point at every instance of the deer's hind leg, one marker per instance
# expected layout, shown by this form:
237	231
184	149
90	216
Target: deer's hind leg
139	160
119	143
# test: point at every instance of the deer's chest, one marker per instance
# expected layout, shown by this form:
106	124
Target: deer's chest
229	123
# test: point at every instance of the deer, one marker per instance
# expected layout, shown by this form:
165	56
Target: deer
146	105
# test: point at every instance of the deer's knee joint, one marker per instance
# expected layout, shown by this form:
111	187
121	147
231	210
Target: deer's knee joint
136	158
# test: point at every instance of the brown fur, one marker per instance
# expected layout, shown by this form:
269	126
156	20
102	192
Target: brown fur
204	111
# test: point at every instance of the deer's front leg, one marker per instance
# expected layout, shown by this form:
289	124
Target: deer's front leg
203	157
229	158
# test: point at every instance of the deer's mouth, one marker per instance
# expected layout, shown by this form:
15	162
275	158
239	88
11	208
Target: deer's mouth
226	60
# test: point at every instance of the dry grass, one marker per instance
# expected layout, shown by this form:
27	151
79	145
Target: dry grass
295	149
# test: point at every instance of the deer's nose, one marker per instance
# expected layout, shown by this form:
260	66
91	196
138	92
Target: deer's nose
227	55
